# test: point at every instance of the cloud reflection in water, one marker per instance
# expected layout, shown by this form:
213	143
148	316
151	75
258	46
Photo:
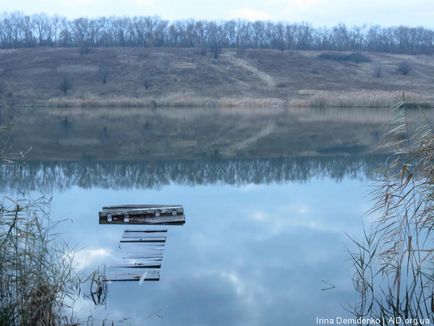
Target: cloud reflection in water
251	257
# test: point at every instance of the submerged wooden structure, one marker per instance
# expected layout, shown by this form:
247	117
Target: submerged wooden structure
143	214
142	258
142	248
131	277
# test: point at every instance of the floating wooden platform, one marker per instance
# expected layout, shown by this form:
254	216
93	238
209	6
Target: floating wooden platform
142	214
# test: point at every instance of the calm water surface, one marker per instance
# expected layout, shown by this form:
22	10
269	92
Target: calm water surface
265	229
247	255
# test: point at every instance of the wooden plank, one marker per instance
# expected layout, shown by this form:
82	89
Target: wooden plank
135	278
145	247
142	240
161	220
132	214
162	239
142	245
178	210
145	231
129	277
138	255
144	257
132	235
145	213
154	265
129	206
143	236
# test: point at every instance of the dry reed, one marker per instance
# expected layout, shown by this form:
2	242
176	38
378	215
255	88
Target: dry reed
36	276
394	262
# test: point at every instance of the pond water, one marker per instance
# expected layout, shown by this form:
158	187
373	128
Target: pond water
267	212
250	253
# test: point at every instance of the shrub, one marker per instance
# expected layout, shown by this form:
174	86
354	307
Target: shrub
216	49
377	73
3	88
203	51
84	49
404	68
65	85
103	72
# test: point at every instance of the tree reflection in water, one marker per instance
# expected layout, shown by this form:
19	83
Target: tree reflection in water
154	174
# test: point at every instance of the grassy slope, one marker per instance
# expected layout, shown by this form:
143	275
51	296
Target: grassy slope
168	76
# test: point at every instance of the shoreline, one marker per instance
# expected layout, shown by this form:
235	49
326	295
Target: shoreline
352	99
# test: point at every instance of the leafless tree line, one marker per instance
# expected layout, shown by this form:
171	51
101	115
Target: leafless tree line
18	30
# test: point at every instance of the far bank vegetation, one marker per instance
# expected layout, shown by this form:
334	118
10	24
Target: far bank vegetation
148	61
18	30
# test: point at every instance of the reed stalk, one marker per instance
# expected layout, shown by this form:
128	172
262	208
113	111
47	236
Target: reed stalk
394	262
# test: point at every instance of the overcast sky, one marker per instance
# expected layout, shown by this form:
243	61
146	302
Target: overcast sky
317	12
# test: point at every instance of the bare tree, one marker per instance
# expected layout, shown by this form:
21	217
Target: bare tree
65	85
18	30
103	72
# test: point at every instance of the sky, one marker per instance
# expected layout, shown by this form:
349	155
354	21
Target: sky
316	12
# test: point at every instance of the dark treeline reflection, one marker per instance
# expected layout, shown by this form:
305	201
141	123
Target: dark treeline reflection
154	174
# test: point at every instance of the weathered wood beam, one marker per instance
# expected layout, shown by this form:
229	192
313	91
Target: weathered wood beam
144	257
145	231
137	214
153	265
140	206
129	277
156	240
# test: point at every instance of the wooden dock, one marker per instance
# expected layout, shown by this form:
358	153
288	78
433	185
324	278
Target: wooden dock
143	214
143	249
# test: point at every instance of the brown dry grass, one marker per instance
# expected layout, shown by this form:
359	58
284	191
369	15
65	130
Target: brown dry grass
358	99
184	77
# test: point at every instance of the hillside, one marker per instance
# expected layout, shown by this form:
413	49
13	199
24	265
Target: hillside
183	77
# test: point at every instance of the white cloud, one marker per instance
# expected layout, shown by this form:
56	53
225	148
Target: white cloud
236	282
259	216
249	14
87	257
289	218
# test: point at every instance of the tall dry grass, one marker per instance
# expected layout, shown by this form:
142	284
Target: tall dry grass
394	263
304	98
174	100
36	274
359	98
